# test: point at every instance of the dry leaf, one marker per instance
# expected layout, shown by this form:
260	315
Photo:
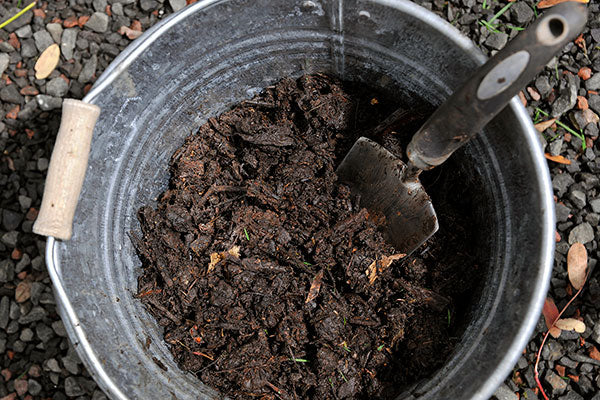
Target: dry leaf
550	3
23	291
577	261
560	369
542	126
594	353
216	258
550	312
377	267
558	159
130	33
570	324
234	251
315	286
47	62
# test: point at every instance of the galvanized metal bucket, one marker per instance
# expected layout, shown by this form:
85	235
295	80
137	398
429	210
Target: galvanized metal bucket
200	61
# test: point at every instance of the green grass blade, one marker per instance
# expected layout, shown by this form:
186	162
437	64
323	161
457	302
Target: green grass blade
17	15
499	13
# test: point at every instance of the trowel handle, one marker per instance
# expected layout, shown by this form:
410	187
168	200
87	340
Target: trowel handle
493	85
67	169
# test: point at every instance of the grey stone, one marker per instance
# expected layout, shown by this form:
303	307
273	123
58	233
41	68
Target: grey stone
56	31
497	41
37	288
571	395
561	183
99	5
582	233
6	47
4	308
18	346
24	32
2	346
38	263
521	12
177	5
43	40
67	42
10	238
4	60
592	131
44	332
10	94
558	384
24	202
98	394
117	9
593	83
595	204
7	271
13	327
26	335
148	5
59	328
578	198
585	385
88	70
23	263
529	394
34	388
594	102
555	146
596	333
52	365
522	363
15	311
98	22
505	393
567	99
595	34
28	48
37	313
57	87
70	365
48	103
593	219
42	164
567	362
553	351
72	388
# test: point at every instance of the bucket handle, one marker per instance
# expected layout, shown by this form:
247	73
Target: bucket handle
67	169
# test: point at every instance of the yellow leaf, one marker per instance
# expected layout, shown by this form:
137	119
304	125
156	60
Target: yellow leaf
216	258
558	159
577	262
315	286
551	3
570	324
542	126
47	62
377	267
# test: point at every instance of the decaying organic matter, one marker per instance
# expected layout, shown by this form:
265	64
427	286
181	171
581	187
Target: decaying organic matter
269	278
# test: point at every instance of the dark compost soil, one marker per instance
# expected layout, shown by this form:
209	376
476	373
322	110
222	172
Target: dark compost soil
255	259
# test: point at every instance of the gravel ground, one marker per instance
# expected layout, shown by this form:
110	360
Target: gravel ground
37	360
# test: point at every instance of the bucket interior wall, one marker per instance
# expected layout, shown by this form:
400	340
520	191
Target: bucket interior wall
216	53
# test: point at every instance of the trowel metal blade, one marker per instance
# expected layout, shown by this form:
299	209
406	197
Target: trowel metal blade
401	207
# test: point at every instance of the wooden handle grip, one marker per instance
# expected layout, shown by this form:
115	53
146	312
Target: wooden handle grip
67	169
